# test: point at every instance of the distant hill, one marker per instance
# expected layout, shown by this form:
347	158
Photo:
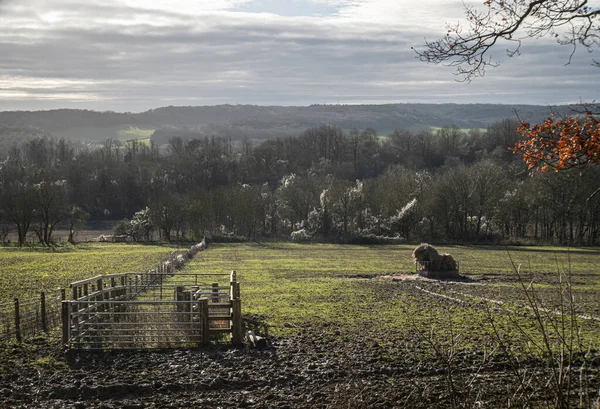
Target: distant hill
261	122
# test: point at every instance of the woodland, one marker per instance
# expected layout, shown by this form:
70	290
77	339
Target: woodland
327	184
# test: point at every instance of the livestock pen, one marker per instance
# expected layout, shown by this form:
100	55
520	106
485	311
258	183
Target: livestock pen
154	310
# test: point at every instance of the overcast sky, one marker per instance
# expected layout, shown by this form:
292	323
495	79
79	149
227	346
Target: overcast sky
133	55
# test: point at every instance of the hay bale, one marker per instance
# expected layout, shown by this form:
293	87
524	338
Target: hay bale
425	252
447	263
435	265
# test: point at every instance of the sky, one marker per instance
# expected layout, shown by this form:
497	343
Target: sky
134	55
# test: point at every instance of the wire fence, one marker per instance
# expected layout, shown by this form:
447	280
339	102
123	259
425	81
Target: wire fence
24	318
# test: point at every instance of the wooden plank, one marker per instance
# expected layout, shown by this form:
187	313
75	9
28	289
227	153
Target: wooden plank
93	296
220	330
96	278
220	317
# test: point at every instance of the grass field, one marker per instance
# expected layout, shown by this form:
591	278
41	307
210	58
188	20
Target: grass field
27	271
329	285
484	331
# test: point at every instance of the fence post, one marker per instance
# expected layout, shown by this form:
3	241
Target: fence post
66	322
63	294
232	281
17	321
43	312
236	322
205	321
161	286
77	293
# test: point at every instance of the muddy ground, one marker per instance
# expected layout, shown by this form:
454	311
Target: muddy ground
316	368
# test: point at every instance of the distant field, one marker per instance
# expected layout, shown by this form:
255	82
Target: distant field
437	128
329	284
99	134
134	133
418	128
28	271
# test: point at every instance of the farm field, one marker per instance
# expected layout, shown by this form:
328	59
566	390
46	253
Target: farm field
344	336
336	272
27	271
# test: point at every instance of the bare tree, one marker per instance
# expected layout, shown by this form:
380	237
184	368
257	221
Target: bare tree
18	201
51	208
77	217
571	22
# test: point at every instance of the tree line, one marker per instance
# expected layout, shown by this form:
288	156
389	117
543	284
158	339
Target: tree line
327	184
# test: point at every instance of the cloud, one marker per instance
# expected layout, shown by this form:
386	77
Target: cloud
128	56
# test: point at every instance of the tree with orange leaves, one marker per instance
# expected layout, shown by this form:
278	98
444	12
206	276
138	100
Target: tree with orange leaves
559	145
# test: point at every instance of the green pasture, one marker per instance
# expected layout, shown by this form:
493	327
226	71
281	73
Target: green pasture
287	287
290	286
27	271
135	133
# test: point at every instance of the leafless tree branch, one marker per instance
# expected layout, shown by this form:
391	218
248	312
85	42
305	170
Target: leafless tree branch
468	47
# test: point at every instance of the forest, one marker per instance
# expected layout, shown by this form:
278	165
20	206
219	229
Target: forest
327	184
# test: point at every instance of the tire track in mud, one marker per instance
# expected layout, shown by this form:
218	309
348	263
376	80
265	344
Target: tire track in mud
504	304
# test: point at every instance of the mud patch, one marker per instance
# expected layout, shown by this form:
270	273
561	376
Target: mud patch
416	277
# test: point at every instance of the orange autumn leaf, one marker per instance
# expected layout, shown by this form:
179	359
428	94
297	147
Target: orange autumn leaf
560	144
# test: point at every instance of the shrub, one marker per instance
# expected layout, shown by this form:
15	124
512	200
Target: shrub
300	235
